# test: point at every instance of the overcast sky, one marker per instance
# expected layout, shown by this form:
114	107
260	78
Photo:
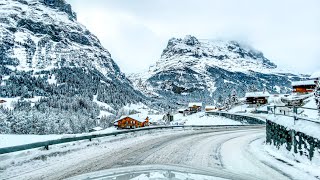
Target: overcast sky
136	31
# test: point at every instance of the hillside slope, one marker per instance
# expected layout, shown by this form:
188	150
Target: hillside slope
46	53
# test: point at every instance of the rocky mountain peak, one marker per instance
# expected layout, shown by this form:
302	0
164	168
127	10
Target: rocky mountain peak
191	40
61	5
190	49
192	69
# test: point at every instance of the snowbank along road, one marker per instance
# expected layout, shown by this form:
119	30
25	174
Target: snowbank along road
229	149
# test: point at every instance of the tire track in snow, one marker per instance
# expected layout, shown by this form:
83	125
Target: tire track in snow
241	160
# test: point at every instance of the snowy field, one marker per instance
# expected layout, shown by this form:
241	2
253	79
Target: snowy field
202	119
10	101
296	164
311	103
8	140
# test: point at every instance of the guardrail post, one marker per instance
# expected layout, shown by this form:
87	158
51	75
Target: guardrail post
295	112
293	138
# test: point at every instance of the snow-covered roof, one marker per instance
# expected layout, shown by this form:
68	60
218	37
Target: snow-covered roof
315	75
210	107
138	117
182	109
97	128
301	83
2	101
195	104
257	94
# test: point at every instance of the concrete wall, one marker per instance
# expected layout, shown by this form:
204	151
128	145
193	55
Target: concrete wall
294	141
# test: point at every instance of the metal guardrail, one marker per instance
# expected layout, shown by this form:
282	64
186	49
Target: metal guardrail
46	144
238	117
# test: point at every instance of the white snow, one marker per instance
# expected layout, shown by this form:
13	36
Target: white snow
105	107
46	57
300	83
8	140
102	104
210	107
294	165
138	117
10	101
172	61
195	104
104	114
257	94
226	81
211	86
307	127
315	75
239	151
140	107
155	117
52	80
202	119
69	154
241	109
97	128
4	78
311	103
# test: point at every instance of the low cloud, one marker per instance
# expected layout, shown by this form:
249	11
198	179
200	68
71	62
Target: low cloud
135	33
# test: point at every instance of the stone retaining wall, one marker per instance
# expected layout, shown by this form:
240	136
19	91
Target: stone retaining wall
294	141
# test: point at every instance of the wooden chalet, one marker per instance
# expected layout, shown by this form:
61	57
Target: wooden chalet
304	86
257	97
131	122
195	107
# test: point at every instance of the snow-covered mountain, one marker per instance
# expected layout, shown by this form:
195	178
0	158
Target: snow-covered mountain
206	70
46	54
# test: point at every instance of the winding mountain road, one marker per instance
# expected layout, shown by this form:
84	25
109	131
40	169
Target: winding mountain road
221	148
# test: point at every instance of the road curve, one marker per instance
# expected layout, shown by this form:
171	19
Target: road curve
221	148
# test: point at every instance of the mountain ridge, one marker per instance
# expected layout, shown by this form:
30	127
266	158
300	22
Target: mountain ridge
189	68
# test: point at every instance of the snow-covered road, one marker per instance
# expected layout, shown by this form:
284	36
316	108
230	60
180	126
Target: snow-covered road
221	148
